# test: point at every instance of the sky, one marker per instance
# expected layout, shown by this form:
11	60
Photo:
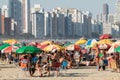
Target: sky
94	6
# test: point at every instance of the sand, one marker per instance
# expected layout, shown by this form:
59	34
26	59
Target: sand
8	72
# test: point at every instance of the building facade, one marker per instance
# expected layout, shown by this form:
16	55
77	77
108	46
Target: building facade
117	12
105	12
47	24
5	10
15	12
38	25
107	28
26	16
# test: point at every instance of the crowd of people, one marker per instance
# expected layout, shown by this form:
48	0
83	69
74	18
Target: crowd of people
55	61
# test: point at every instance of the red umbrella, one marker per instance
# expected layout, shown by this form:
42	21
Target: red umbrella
105	36
10	49
42	46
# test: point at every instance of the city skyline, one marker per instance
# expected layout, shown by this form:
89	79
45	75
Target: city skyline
19	18
93	6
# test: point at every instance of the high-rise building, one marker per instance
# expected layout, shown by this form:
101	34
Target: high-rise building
105	12
26	16
107	28
115	30
105	9
117	12
68	26
76	22
7	26
38	25
87	25
111	18
0	22
61	25
5	10
47	24
54	25
15	12
38	8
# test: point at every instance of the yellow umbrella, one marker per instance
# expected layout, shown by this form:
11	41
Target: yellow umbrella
46	42
105	41
81	41
10	41
52	47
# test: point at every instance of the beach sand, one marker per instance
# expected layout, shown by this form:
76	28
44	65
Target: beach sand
8	72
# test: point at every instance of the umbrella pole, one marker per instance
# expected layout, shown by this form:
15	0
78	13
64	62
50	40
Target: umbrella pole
0	55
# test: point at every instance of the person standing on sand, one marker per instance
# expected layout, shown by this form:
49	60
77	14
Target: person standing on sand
39	66
101	60
32	59
97	56
24	64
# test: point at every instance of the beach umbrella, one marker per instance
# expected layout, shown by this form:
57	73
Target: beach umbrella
10	41
111	50
113	46
117	49
104	46
33	44
105	41
4	46
81	41
53	47
28	49
9	49
42	46
67	44
46	42
19	45
105	36
73	47
90	43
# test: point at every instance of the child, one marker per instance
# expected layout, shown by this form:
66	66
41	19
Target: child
24	64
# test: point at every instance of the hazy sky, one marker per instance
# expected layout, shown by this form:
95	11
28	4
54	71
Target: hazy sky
94	6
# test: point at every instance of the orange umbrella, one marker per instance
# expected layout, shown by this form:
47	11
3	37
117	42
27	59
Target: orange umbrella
53	47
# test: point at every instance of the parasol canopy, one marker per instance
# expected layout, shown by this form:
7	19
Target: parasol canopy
73	47
81	41
105	36
90	43
52	47
28	49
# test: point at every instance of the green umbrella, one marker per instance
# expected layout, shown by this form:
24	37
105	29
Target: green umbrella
28	49
4	46
67	44
117	49
17	45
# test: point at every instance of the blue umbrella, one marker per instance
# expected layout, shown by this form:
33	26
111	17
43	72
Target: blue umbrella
90	42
